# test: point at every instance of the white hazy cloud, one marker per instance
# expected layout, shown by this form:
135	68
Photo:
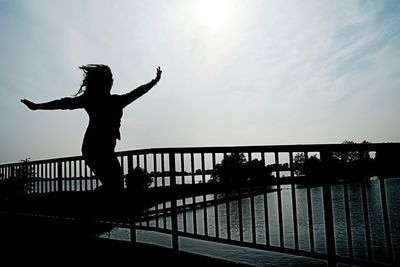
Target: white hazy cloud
234	72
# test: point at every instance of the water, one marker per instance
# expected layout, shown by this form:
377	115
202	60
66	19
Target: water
264	258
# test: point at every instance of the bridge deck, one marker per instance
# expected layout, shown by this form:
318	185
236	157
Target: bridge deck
31	241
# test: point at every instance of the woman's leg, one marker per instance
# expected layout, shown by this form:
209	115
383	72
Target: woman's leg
108	170
113	178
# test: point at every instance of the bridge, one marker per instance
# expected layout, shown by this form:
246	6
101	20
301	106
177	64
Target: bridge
329	202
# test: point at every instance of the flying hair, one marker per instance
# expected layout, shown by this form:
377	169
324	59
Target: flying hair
93	73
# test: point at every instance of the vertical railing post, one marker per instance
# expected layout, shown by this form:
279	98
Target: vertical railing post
294	202
59	176
279	200
13	173
328	216
132	222
329	227
386	223
174	218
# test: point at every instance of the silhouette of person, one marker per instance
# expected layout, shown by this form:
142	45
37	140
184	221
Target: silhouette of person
105	112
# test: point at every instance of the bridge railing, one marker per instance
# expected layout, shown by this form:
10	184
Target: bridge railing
294	209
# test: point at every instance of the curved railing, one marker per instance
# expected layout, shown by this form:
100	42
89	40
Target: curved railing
313	196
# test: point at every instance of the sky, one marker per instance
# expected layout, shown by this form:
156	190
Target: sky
235	73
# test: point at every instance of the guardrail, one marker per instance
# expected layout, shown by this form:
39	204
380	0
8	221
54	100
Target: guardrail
305	202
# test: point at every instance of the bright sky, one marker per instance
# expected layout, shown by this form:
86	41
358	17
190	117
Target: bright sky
234	72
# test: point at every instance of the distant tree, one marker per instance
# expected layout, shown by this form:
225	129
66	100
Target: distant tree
231	170
234	170
20	179
298	164
257	172
311	166
364	154
350	156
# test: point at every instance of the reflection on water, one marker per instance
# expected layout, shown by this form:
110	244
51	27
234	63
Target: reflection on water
232	223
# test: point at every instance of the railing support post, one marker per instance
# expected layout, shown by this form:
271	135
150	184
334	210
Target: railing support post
132	219
386	223
329	228
174	218
59	176
328	216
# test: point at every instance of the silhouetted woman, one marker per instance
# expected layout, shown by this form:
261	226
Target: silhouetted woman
105	113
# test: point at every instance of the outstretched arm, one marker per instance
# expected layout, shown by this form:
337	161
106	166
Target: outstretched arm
63	103
141	90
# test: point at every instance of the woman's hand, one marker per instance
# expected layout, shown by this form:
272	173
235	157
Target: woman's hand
158	73
29	104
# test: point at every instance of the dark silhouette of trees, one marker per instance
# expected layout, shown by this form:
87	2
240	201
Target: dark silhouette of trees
20	180
231	170
311	166
334	165
235	170
258	173
350	156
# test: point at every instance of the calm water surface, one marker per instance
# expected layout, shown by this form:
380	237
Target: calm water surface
264	258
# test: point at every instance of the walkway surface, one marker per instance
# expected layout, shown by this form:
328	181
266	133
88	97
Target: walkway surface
30	241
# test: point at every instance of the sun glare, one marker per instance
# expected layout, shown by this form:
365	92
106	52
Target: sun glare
213	15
